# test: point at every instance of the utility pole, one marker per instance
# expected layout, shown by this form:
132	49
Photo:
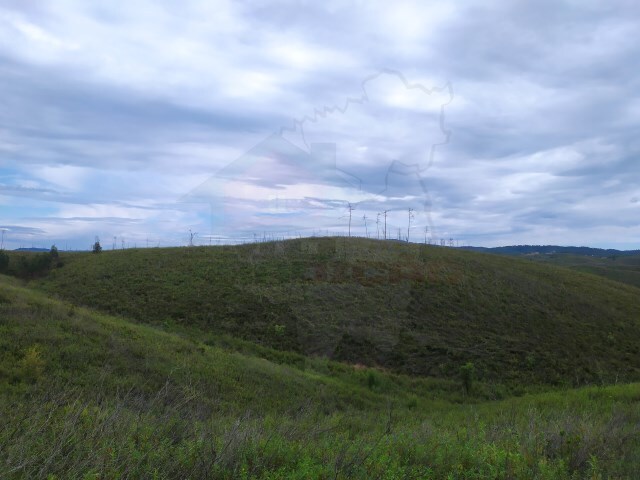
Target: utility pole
366	231
350	210
122	243
191	235
385	224
409	226
426	230
2	244
378	226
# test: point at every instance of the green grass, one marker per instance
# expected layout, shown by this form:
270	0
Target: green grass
620	268
89	395
412	309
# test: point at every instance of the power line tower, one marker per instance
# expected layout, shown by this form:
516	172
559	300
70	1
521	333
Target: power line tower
351	209
378	226
191	237
366	230
426	231
385	224
411	216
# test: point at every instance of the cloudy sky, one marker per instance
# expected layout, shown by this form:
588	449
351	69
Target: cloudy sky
496	122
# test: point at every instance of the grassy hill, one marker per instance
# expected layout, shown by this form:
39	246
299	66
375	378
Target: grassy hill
88	395
620	268
553	250
412	309
618	265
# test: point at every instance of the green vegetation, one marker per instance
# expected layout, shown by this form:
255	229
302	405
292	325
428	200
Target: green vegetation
317	358
467	372
29	265
4	261
621	268
412	309
87	395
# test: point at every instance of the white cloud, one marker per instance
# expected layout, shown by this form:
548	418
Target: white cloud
116	110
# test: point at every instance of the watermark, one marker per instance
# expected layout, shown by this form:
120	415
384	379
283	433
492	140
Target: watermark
357	168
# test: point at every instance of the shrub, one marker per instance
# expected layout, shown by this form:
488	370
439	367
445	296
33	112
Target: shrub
4	261
467	373
32	365
32	266
372	380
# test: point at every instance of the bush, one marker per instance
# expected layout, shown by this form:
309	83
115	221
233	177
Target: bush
372	380
97	248
32	266
467	373
32	365
4	261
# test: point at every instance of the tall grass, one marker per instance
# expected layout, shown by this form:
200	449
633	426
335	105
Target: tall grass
412	309
85	395
166	436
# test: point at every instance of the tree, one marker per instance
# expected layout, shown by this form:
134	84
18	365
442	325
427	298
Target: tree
32	266
4	261
54	252
97	248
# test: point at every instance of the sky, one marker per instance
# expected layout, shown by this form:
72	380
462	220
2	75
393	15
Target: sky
154	123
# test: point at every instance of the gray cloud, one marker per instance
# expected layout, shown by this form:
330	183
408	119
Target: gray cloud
111	115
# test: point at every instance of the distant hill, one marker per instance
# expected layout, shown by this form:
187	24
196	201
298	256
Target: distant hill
551	249
619	265
31	249
413	309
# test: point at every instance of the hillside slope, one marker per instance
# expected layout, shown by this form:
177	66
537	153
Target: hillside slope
414	309
618	265
86	395
620	268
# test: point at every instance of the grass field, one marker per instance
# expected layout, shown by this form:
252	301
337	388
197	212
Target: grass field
412	309
621	268
317	358
88	395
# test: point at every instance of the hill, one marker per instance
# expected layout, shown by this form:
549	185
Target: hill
551	250
619	265
87	395
411	309
620	268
